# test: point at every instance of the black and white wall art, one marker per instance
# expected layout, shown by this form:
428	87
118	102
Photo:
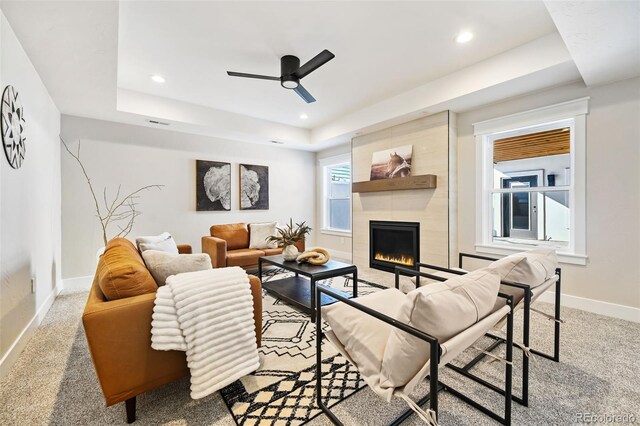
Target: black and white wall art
13	127
254	187
213	186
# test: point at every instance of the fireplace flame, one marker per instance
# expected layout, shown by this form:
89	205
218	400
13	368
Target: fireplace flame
401	260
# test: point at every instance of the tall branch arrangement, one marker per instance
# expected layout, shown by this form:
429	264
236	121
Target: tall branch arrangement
120	211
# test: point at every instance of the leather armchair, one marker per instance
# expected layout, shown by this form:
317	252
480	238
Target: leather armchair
216	248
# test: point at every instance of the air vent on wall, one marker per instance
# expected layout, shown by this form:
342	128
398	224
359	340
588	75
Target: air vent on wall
161	123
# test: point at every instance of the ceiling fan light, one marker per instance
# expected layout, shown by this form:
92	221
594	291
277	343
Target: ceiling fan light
290	84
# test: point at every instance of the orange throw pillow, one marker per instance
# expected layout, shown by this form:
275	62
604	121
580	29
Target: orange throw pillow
122	273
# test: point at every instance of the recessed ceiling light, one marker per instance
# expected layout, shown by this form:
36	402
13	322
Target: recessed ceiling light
304	116
158	78
464	37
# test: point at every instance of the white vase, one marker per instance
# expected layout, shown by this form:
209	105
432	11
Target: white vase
290	252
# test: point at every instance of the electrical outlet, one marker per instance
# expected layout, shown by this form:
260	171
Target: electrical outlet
33	285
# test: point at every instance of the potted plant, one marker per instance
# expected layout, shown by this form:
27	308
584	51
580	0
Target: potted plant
288	236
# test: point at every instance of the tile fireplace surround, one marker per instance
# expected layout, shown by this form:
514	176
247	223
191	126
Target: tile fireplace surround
433	140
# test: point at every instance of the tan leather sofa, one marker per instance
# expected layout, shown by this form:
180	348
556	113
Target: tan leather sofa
228	245
118	327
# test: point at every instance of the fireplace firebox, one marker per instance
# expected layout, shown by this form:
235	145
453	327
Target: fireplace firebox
393	243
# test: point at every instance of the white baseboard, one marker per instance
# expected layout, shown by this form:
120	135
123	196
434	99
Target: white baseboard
77	283
343	255
627	313
16	348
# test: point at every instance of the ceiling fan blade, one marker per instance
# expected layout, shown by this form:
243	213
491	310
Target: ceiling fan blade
304	94
319	60
245	75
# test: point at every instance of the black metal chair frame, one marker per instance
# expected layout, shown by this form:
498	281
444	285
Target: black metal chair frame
435	385
498	340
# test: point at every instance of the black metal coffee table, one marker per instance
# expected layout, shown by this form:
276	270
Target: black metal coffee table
300	291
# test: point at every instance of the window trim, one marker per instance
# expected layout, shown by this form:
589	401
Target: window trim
324	164
485	132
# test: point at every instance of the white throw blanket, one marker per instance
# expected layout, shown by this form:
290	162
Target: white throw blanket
208	314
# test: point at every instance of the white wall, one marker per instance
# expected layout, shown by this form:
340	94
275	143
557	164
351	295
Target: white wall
135	156
612	273
29	207
338	245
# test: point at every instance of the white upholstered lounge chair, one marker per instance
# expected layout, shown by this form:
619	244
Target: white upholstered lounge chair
393	339
525	276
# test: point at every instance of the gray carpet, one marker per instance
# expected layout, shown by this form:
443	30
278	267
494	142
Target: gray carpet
53	381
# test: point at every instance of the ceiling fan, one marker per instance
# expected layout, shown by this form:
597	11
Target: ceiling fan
291	73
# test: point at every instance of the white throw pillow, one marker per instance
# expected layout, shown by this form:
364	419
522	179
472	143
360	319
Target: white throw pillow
259	234
163	242
162	264
441	310
532	267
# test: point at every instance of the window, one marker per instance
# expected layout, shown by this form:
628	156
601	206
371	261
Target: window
336	174
531	192
531	181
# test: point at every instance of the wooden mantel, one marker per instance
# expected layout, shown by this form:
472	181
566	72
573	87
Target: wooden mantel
396	184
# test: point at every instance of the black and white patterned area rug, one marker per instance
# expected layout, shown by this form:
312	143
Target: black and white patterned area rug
282	390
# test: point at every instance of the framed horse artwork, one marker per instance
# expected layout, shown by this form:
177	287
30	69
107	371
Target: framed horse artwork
391	163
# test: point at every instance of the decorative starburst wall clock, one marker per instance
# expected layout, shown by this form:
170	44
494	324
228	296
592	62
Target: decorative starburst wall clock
13	127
